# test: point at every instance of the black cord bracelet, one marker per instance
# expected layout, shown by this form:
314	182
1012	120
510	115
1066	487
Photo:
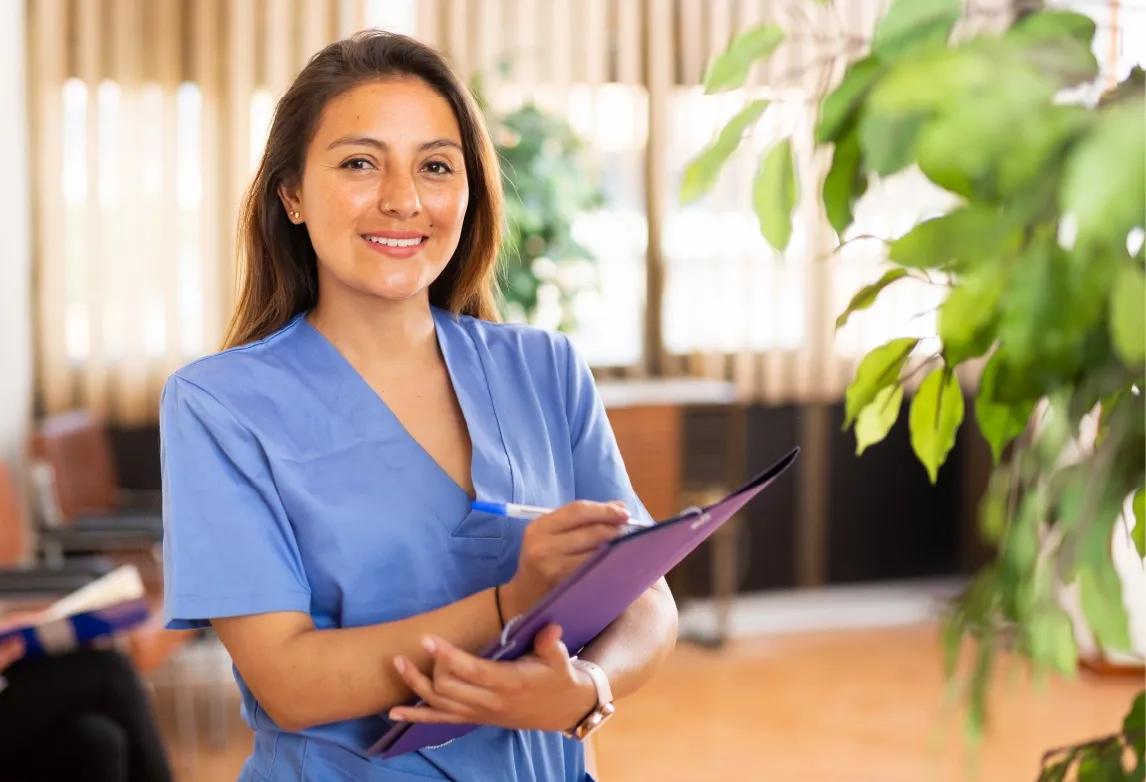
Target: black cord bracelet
497	602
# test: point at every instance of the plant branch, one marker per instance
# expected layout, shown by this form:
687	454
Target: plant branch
846	242
924	363
1100	742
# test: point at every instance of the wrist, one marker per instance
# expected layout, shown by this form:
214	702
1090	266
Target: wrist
601	708
585	699
509	600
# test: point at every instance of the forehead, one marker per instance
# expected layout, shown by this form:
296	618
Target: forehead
400	112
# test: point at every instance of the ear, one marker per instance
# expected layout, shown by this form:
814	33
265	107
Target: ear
292	202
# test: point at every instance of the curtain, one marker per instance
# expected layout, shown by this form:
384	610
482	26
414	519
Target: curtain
147	119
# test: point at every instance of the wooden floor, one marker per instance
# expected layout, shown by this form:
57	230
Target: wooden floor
845	706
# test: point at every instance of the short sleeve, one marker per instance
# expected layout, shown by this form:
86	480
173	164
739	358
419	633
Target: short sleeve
228	547
599	471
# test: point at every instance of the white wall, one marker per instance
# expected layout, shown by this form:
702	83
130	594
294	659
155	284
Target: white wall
15	243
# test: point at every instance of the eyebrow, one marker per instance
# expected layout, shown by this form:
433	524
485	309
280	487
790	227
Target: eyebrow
369	141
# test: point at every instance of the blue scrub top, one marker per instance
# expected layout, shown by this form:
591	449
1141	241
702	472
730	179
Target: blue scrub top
288	485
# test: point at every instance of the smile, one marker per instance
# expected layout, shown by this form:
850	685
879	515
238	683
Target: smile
395	242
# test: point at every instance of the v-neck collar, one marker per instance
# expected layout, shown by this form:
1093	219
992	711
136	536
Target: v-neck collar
491	469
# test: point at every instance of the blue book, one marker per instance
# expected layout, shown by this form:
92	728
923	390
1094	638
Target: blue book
105	607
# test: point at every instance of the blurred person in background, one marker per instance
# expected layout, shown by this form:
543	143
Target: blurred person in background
83	715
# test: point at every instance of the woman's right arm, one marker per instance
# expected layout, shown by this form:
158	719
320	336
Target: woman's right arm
303	676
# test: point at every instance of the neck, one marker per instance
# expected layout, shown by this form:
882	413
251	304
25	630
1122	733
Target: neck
377	333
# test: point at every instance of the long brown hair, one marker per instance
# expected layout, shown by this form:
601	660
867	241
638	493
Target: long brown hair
279	272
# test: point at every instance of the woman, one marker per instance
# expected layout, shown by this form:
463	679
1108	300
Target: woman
318	474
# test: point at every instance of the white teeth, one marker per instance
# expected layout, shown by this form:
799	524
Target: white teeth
395	242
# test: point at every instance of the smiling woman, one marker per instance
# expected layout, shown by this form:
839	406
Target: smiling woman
370	143
319	474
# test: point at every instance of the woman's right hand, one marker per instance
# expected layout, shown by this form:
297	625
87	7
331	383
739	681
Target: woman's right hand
556	543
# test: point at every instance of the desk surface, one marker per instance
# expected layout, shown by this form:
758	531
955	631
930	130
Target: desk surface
667	391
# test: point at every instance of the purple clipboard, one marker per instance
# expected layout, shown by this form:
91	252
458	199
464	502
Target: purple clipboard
594	595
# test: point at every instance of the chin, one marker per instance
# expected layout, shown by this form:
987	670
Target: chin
396	290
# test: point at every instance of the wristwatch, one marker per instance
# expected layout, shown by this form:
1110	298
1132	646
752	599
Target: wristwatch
604	709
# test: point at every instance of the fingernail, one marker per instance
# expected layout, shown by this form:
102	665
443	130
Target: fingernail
395	714
400	664
429	645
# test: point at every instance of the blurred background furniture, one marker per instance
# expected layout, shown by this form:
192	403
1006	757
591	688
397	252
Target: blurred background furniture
648	418
20	573
80	505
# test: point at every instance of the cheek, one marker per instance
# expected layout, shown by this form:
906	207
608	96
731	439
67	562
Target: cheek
447	208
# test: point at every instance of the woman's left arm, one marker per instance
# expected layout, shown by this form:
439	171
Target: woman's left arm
631	648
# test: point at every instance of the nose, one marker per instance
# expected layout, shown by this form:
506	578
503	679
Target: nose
399	196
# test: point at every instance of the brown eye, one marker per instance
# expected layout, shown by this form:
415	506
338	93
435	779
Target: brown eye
442	168
350	164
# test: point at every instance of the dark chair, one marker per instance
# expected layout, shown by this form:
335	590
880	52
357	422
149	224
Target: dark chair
20	575
81	506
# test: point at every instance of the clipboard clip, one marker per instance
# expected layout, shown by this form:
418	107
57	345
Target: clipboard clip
505	631
701	520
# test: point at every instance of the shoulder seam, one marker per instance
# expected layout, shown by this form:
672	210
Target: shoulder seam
240	348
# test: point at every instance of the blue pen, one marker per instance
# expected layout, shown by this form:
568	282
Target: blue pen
517	511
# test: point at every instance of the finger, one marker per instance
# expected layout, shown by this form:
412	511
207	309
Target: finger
584	539
467	667
424	688
427	714
548	647
581	512
477	699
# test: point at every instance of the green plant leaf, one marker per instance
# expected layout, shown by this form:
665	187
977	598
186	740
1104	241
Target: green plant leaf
1052	25
878	369
1056	772
936	412
1052	318
1057	43
1104	181
841	104
1100	592
867	295
1128	314
1139	531
1051	635
968	315
701	172
914	23
888	140
774	193
730	68
1000	422
965	235
996	142
845	181
1101	762
876	420
1134	726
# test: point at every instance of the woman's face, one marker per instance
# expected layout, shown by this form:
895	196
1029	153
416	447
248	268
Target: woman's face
384	190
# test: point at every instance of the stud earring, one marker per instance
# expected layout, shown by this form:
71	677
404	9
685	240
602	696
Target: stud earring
295	214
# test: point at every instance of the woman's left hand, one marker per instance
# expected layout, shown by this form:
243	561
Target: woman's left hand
541	691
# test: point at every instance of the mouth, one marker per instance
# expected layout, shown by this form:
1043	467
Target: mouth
396	247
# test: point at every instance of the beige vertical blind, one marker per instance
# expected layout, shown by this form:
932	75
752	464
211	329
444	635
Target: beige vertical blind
145	134
148	116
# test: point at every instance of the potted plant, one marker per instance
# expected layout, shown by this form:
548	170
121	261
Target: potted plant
545	189
1043	257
